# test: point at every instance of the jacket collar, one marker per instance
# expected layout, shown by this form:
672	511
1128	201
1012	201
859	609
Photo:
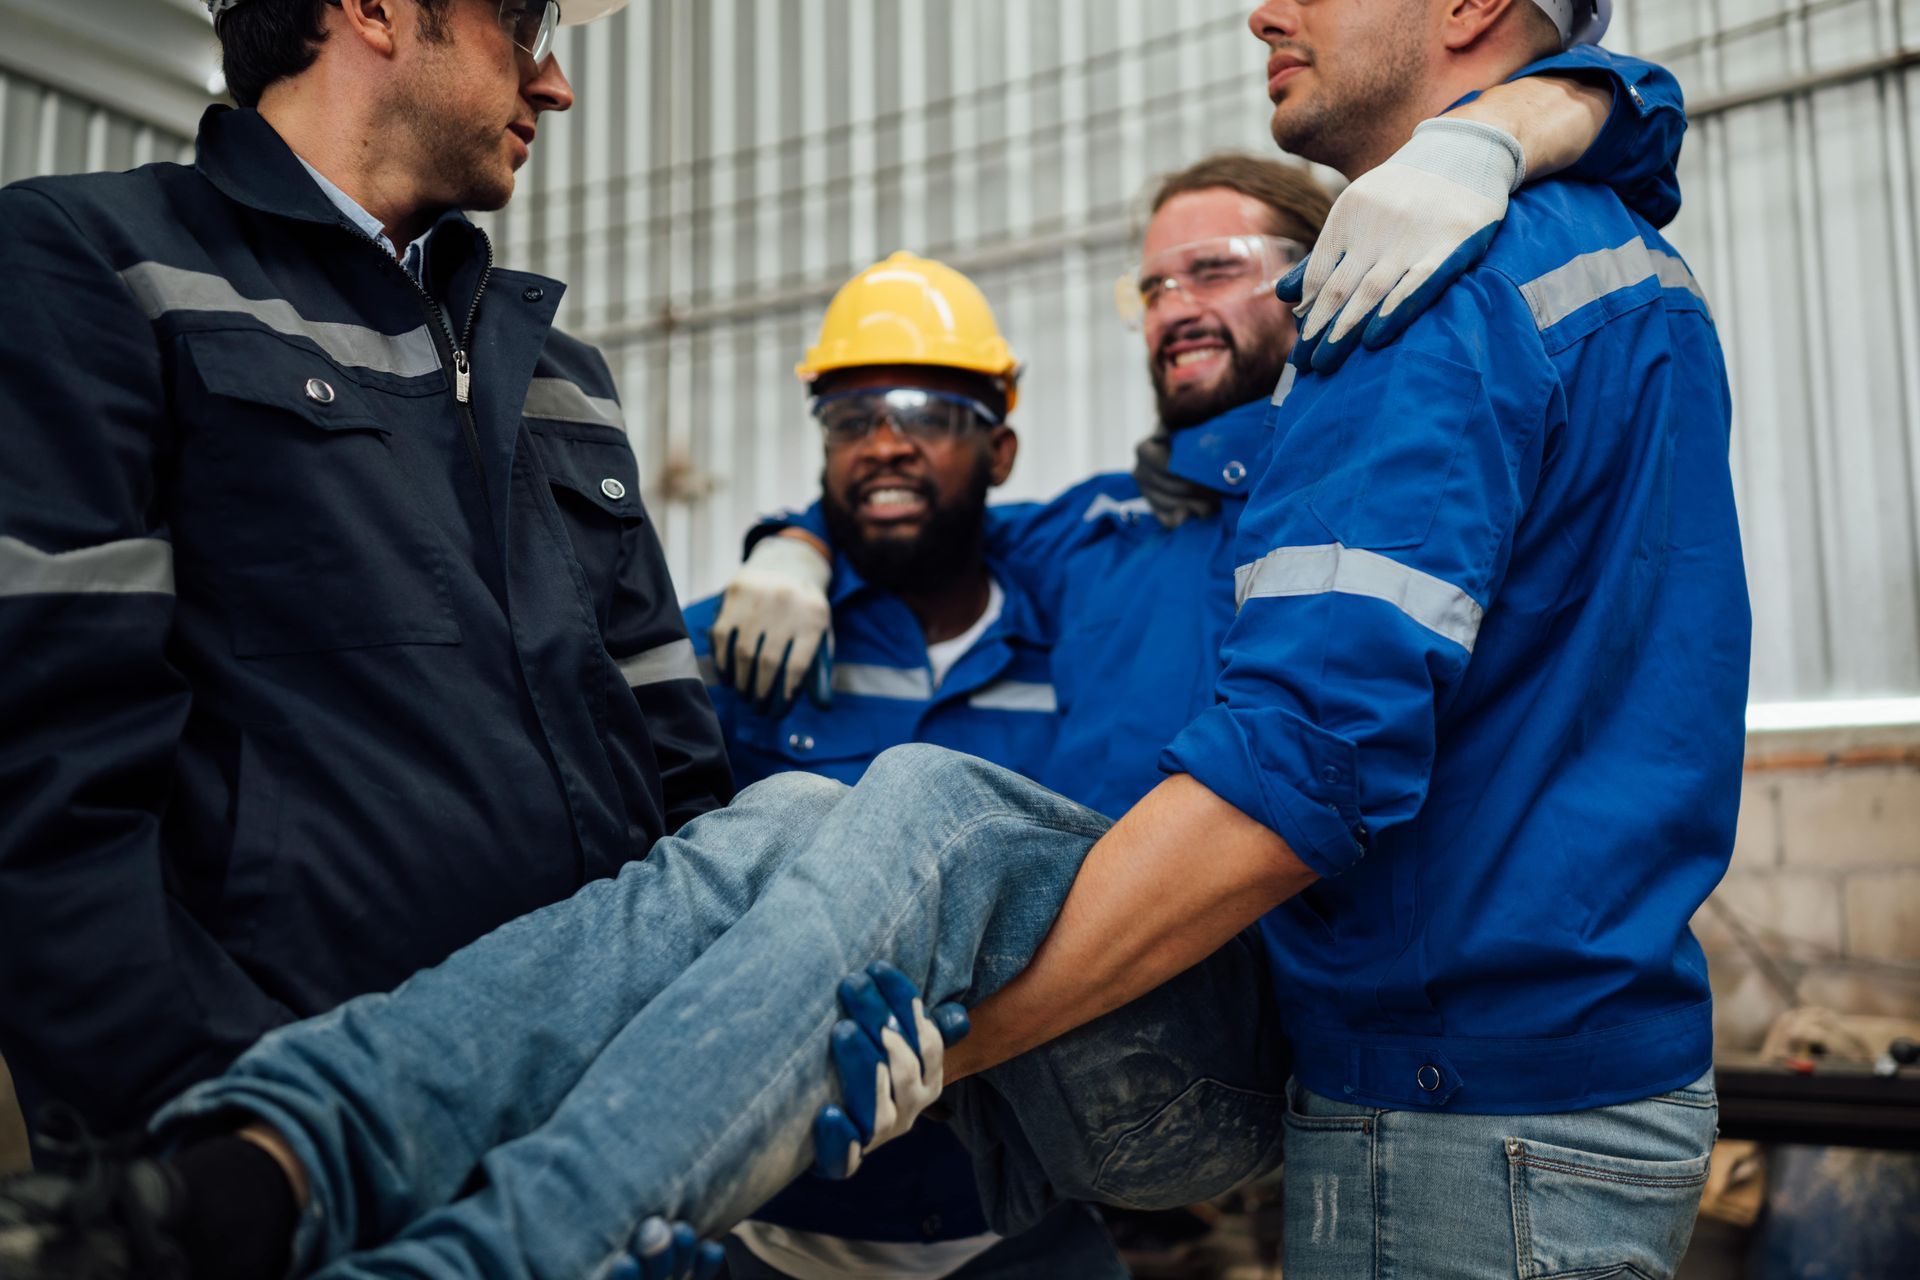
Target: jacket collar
1223	453
250	164
1018	620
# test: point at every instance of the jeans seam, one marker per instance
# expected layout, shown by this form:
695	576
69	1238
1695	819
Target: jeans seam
1601	1175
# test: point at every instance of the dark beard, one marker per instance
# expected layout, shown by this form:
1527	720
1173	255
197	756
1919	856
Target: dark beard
949	547
1248	378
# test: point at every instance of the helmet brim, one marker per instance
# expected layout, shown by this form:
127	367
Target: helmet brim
575	13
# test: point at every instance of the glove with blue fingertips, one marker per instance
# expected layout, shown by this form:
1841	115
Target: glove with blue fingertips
1399	236
889	1054
773	637
668	1251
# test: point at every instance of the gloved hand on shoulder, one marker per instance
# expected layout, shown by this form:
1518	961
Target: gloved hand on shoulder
1399	236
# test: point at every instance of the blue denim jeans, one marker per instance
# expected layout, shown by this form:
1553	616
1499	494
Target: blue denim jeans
656	1044
1605	1193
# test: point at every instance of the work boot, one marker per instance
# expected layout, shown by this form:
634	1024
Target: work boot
92	1210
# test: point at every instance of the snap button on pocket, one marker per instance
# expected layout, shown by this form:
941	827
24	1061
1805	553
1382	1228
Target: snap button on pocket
1428	1078
1234	472
613	488
800	741
533	293
319	392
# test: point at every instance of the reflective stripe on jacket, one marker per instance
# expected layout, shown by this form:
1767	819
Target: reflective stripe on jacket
997	701
314	674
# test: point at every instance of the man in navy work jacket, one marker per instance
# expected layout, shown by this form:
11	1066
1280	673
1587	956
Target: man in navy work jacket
1474	766
911	382
338	634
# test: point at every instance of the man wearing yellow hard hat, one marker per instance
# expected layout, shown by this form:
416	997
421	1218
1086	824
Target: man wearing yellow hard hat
910	383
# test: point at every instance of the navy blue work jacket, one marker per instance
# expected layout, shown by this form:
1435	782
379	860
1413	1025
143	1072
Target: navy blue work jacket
315	673
997	702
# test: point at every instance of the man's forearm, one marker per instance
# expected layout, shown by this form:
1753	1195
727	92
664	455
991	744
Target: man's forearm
1555	118
1168	886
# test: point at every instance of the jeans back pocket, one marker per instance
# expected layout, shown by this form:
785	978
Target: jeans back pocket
1584	1214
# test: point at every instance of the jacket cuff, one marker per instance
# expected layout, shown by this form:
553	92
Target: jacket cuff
1636	96
1290	776
813	520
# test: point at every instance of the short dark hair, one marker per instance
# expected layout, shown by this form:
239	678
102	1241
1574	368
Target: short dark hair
266	41
1298	203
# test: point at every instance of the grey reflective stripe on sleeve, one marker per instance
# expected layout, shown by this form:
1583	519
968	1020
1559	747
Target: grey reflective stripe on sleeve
671	661
1106	504
709	674
562	401
162	289
1435	604
1592	276
1015	695
135	566
883	682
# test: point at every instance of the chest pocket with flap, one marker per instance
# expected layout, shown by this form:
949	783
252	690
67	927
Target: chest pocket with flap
596	484
302	512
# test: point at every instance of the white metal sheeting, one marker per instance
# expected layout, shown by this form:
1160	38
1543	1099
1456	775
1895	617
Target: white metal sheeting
43	130
730	162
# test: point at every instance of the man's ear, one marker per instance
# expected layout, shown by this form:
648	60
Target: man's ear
1004	446
371	22
1467	22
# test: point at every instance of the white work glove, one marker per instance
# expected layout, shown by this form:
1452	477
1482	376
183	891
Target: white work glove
1400	235
775	628
889	1054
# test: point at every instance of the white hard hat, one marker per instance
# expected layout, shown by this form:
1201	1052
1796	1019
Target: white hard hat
1580	21
576	13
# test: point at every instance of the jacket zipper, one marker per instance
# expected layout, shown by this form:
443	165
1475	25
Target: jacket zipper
455	353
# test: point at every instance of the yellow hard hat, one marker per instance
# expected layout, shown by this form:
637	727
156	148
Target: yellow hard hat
911	310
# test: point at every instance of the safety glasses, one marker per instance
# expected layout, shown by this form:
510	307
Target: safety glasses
531	23
848	417
1224	268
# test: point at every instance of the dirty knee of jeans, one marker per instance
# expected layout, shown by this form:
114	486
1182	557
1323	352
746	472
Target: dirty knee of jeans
1207	1141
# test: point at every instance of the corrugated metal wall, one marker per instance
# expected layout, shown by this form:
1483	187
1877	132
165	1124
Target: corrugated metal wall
731	161
44	130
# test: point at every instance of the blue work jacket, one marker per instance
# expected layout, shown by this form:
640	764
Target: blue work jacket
997	702
1139	610
1488	679
315	671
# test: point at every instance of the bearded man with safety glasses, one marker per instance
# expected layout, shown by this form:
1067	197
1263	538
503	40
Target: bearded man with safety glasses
340	636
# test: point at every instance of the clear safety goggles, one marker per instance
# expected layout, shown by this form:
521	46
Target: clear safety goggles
1222	269
926	417
531	23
